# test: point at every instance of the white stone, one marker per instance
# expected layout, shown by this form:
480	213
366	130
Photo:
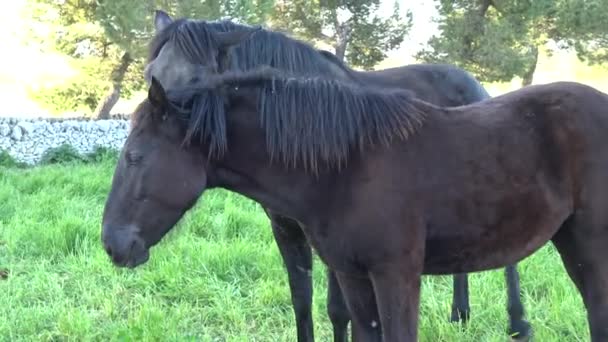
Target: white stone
27	128
5	129
17	134
104	125
27	140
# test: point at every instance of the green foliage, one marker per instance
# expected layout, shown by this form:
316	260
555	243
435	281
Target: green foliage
74	29
65	154
62	154
79	93
95	35
6	160
493	42
101	154
497	40
364	36
582	25
252	12
248	11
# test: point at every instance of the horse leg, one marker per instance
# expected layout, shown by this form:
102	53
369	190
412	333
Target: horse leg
519	328
297	257
585	256
397	287
397	290
359	295
460	299
336	308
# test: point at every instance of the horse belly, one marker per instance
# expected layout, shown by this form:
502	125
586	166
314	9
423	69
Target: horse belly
511	235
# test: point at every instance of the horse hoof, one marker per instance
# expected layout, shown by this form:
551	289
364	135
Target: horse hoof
521	331
520	339
460	316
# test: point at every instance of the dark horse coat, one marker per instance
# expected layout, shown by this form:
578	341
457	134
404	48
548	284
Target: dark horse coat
182	48
386	187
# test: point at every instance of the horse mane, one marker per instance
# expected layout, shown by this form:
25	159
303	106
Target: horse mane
309	121
194	39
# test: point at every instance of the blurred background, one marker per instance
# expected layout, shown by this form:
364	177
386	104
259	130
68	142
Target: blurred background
70	58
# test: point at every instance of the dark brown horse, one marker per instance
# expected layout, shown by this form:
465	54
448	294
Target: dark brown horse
179	50
385	187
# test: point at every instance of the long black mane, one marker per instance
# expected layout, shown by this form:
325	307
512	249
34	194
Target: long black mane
195	40
308	121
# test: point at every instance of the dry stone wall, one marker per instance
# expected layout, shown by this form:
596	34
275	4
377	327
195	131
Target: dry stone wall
27	139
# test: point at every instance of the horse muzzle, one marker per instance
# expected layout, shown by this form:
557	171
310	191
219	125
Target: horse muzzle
124	246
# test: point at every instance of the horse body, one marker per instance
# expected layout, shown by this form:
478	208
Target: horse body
477	216
506	175
439	84
481	190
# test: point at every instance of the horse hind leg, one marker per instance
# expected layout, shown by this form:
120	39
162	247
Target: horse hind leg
461	311
583	247
519	329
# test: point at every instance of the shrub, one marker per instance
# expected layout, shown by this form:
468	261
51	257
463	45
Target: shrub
62	154
7	160
101	153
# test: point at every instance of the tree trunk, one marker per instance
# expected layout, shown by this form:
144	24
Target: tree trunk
118	75
343	36
340	49
528	77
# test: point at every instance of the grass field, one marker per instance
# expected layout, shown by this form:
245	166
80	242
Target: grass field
217	277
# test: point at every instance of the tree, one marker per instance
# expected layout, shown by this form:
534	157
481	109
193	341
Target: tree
100	46
495	40
107	42
499	39
582	25
352	27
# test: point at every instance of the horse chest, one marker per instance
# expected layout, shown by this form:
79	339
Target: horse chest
339	247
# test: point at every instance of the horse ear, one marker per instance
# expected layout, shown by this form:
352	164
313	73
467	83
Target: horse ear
227	39
161	20
156	94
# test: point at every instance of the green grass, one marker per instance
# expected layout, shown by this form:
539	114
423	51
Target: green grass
217	277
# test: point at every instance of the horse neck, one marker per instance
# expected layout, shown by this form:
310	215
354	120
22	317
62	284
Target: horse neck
292	193
248	169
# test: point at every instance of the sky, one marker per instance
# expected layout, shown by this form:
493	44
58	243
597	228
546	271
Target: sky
423	27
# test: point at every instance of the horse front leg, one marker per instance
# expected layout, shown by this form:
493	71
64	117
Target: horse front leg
397	289
361	302
297	257
336	308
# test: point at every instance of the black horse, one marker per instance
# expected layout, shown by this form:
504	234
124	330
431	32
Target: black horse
385	187
181	48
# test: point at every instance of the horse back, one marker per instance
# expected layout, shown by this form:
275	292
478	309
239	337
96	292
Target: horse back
439	84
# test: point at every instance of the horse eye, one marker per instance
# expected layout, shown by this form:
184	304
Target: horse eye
133	158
